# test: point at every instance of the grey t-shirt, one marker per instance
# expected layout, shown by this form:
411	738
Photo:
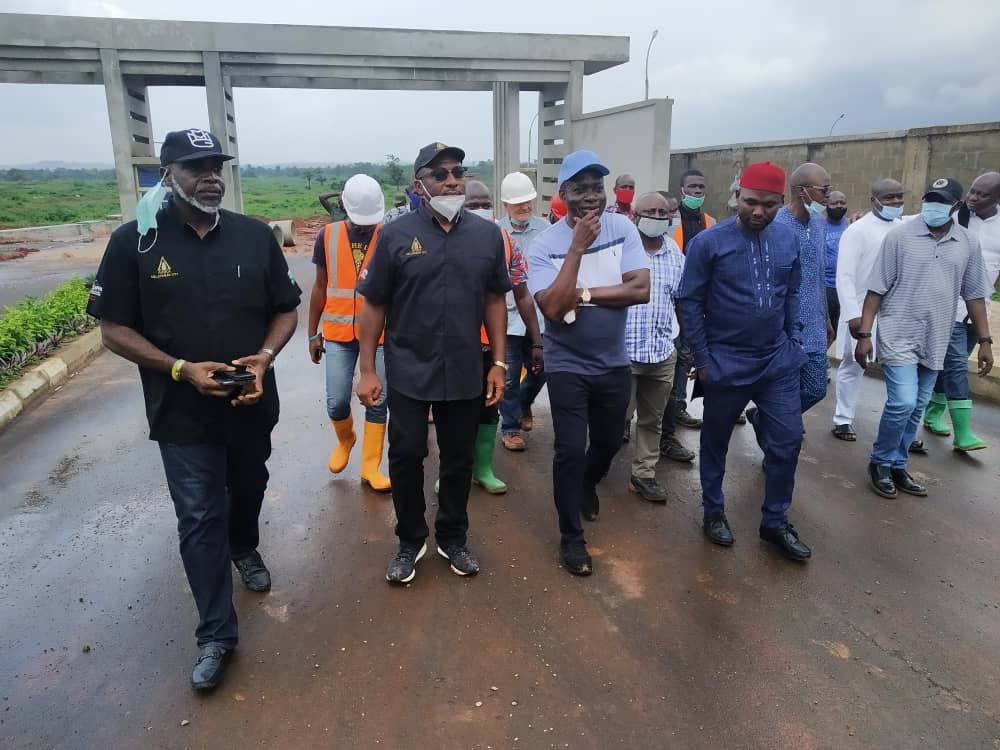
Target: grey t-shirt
921	279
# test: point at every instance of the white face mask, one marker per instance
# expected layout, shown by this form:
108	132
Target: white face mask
485	213
447	206
653	227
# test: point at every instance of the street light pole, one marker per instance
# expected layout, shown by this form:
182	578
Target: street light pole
835	124
533	120
655	32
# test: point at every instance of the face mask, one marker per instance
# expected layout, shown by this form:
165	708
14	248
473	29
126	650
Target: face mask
815	208
485	213
674	222
149	204
446	206
625	195
935	214
889	213
692	202
653	227
835	214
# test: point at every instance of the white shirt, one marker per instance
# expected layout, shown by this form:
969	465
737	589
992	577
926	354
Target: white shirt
988	232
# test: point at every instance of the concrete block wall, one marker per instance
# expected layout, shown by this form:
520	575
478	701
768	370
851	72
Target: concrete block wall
854	162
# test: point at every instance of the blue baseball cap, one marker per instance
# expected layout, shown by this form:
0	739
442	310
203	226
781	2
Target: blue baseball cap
578	161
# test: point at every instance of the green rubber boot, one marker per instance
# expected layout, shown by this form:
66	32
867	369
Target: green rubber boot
961	415
482	466
934	415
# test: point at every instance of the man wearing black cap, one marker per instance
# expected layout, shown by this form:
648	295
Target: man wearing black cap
922	269
438	274
199	297
584	272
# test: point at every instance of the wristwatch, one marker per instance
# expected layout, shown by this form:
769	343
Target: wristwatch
504	365
863	335
585	296
985	340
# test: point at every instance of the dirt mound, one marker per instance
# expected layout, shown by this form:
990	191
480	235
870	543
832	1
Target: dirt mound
17	253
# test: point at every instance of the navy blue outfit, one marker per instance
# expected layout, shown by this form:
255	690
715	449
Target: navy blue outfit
739	310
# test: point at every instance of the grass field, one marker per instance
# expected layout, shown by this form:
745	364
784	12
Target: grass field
28	203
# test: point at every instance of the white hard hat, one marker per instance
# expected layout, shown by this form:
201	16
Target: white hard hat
517	188
363	200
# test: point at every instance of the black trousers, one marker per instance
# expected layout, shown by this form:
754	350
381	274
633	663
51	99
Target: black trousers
488	414
456	423
582	405
833	307
217	492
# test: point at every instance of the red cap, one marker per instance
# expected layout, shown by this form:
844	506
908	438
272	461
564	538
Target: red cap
763	175
557	206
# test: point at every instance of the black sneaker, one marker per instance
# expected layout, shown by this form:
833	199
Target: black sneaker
207	672
671	448
402	567
254	573
590	508
686	420
648	489
576	559
463	562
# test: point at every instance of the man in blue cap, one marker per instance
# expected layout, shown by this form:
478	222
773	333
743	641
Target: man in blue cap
584	272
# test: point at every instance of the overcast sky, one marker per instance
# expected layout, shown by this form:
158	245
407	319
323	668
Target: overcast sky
737	72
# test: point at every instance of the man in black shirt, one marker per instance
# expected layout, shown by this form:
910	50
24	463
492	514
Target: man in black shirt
437	275
192	294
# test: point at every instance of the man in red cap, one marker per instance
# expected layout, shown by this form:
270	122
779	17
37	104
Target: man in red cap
739	308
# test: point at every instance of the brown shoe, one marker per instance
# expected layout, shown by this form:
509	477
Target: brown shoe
512	441
527	421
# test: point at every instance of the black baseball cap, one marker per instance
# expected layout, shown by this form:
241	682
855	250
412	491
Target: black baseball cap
432	151
946	188
188	145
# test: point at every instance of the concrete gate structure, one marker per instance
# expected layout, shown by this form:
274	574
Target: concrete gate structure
128	56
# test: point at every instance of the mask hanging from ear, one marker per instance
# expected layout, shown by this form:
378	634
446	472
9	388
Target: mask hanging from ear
149	206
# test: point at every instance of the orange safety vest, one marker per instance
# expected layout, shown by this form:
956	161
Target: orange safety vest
507	247
679	231
343	303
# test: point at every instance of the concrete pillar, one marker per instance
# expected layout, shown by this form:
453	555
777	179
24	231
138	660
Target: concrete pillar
140	122
506	132
916	165
121	135
554	123
222	122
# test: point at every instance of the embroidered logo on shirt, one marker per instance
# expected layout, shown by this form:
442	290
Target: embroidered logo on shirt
163	270
415	248
95	291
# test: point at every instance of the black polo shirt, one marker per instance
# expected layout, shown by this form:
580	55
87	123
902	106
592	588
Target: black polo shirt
433	285
209	299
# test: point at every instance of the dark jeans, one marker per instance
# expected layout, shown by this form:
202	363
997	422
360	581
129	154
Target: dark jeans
953	380
833	307
520	394
217	492
455	423
580	404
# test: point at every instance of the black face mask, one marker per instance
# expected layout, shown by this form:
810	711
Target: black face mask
836	214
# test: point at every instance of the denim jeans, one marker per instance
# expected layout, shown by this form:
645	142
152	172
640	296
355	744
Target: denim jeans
908	389
520	394
341	359
953	380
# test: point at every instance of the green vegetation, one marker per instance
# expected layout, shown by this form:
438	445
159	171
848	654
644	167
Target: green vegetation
33	327
35	203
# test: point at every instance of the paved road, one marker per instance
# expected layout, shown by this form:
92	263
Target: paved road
42	271
886	639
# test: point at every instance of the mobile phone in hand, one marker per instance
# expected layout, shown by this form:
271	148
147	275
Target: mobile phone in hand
240	376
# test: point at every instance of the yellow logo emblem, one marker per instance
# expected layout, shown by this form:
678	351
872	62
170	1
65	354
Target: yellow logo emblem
415	248
163	270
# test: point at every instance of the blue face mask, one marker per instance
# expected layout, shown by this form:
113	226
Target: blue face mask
935	214
889	213
149	204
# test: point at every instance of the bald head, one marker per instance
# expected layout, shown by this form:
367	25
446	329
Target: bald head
652	204
809	174
477	195
625	181
810	184
984	195
886	185
887	193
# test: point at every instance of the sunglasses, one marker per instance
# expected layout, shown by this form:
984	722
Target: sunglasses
441	174
824	189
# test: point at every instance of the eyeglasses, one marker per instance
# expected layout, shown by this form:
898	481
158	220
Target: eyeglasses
441	174
824	189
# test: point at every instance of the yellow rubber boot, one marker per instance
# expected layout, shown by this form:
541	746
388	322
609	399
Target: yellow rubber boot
345	441
371	457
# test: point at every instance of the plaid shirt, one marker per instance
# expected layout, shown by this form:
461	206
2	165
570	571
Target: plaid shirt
651	328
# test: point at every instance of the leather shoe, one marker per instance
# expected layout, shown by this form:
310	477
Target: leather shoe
590	508
512	441
253	572
212	661
881	478
716	528
903	481
918	447
786	539
845	432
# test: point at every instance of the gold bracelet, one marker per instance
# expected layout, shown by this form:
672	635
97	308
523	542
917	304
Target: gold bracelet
175	371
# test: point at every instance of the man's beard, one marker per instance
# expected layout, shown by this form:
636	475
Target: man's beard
190	200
